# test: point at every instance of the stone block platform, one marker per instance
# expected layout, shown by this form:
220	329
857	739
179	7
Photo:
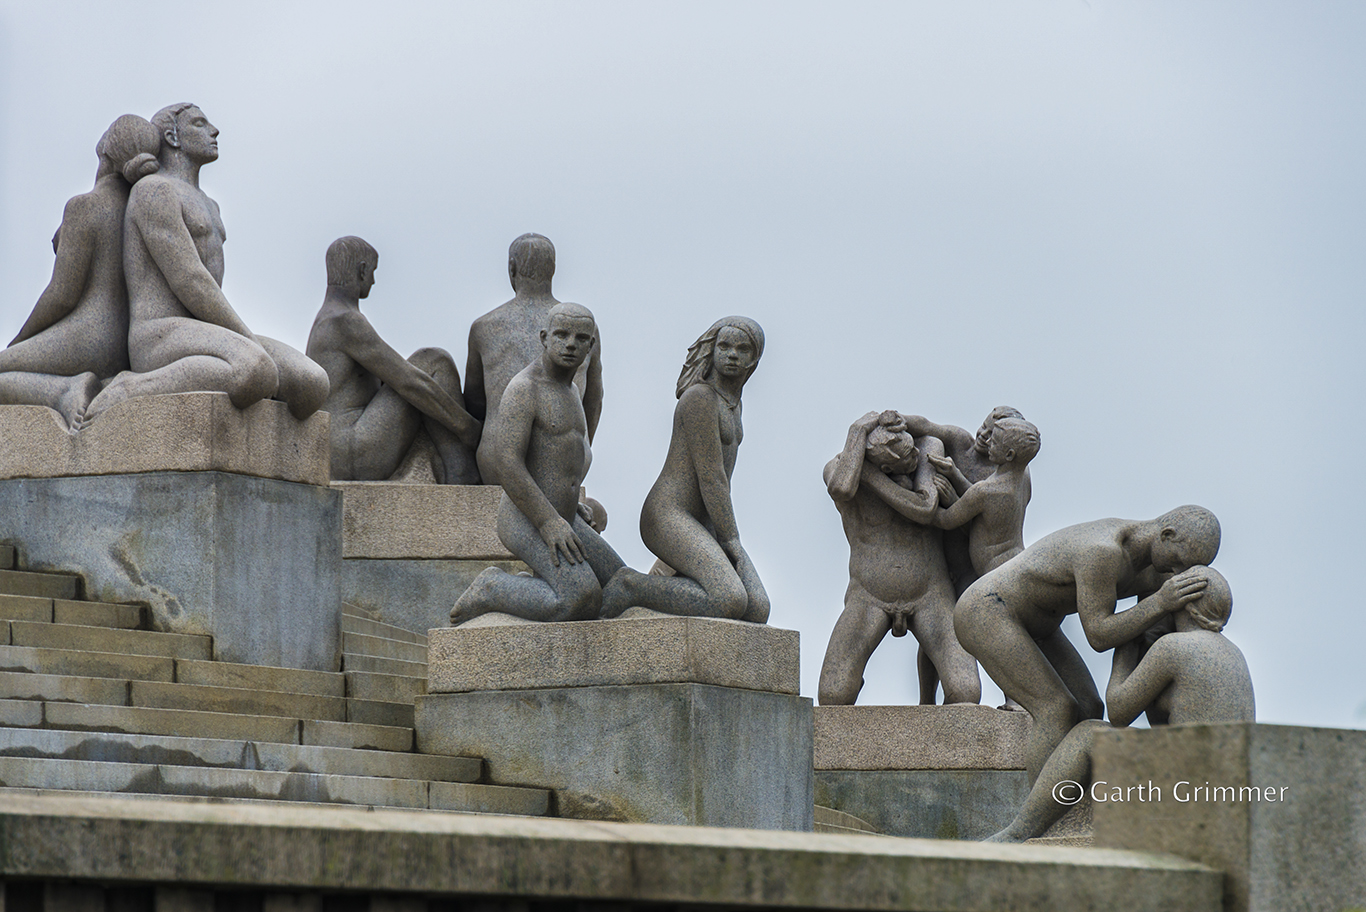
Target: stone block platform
662	720
940	772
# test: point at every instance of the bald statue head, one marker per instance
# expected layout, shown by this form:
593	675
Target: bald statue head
1212	609
531	260
983	439
1189	536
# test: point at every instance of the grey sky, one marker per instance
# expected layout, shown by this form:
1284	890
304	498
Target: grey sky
1141	224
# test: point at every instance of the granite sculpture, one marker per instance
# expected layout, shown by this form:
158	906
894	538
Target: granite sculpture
77	333
884	485
379	401
537	445
183	334
1011	618
688	521
1195	674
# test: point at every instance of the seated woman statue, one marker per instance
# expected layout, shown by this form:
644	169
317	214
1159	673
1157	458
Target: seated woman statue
687	520
77	333
1193	675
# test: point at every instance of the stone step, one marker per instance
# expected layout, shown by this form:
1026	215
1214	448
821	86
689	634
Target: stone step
356	736
260	677
383	648
105	639
376	665
25	608
42	585
842	821
378	712
246	701
66	611
833	830
63	688
353	623
86	664
365	685
217	752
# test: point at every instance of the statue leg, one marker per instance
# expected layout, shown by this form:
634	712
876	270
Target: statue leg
860	628
1072	669
1071	762
706	584
932	625
989	631
374	444
84	340
303	382
568	592
928	676
457	460
68	396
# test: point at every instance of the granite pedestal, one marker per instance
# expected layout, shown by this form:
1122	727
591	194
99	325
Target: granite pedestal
934	772
1280	808
218	520
411	549
656	720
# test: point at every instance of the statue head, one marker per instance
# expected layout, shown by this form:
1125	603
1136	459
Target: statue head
531	258
890	445
184	128
569	335
1013	440
1212	609
129	147
742	342
1188	536
983	438
351	265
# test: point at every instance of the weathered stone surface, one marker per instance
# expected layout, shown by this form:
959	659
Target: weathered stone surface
346	850
96	614
413	594
659	650
956	737
363	685
250	561
383	648
926	804
377	712
388	521
355	735
260	677
1300	844
25	608
40	585
665	753
184	432
244	700
488	799
17	686
86	664
20	712
176	722
355	623
108	639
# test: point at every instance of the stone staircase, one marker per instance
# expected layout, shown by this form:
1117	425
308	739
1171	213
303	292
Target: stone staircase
830	820
92	702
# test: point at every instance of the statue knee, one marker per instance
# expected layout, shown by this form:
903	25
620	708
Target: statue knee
254	377
837	688
434	361
309	388
1090	708
732	605
583	600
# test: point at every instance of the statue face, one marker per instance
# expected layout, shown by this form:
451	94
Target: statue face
733	354
998	453
983	442
367	279
569	340
897	456
197	137
1175	551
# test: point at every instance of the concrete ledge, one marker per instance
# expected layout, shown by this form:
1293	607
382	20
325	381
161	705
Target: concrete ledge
390	521
926	804
657	650
187	844
185	432
956	737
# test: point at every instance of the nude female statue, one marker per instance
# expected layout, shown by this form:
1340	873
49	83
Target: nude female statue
687	520
77	333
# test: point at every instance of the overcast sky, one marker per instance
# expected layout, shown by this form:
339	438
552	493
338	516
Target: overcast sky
1141	224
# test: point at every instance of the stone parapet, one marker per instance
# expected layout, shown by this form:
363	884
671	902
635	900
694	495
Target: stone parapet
184	432
961	736
391	521
647	650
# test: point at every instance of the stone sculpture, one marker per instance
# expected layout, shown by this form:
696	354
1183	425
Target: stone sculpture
884	486
1192	675
1011	618
380	402
77	333
687	520
537	443
183	334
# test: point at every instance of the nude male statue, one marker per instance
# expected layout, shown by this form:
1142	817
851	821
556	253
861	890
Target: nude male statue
506	339
1195	674
1011	618
379	401
183	334
883	486
537	442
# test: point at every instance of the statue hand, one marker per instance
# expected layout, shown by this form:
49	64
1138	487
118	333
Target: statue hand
560	537
733	550
942	464
1183	588
867	422
585	512
947	495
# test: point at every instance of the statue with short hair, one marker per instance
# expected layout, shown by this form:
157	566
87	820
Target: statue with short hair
1011	618
883	485
77	333
1192	675
537	443
183	334
379	401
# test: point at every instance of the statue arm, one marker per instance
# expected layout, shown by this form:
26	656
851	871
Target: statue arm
511	434
364	346
1135	684
702	429
842	475
476	402
949	469
1097	593
160	223
964	510
918	506
70	274
592	393
952	435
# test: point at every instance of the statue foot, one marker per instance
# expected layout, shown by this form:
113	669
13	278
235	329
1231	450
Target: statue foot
476	600
73	403
1011	706
114	392
619	593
